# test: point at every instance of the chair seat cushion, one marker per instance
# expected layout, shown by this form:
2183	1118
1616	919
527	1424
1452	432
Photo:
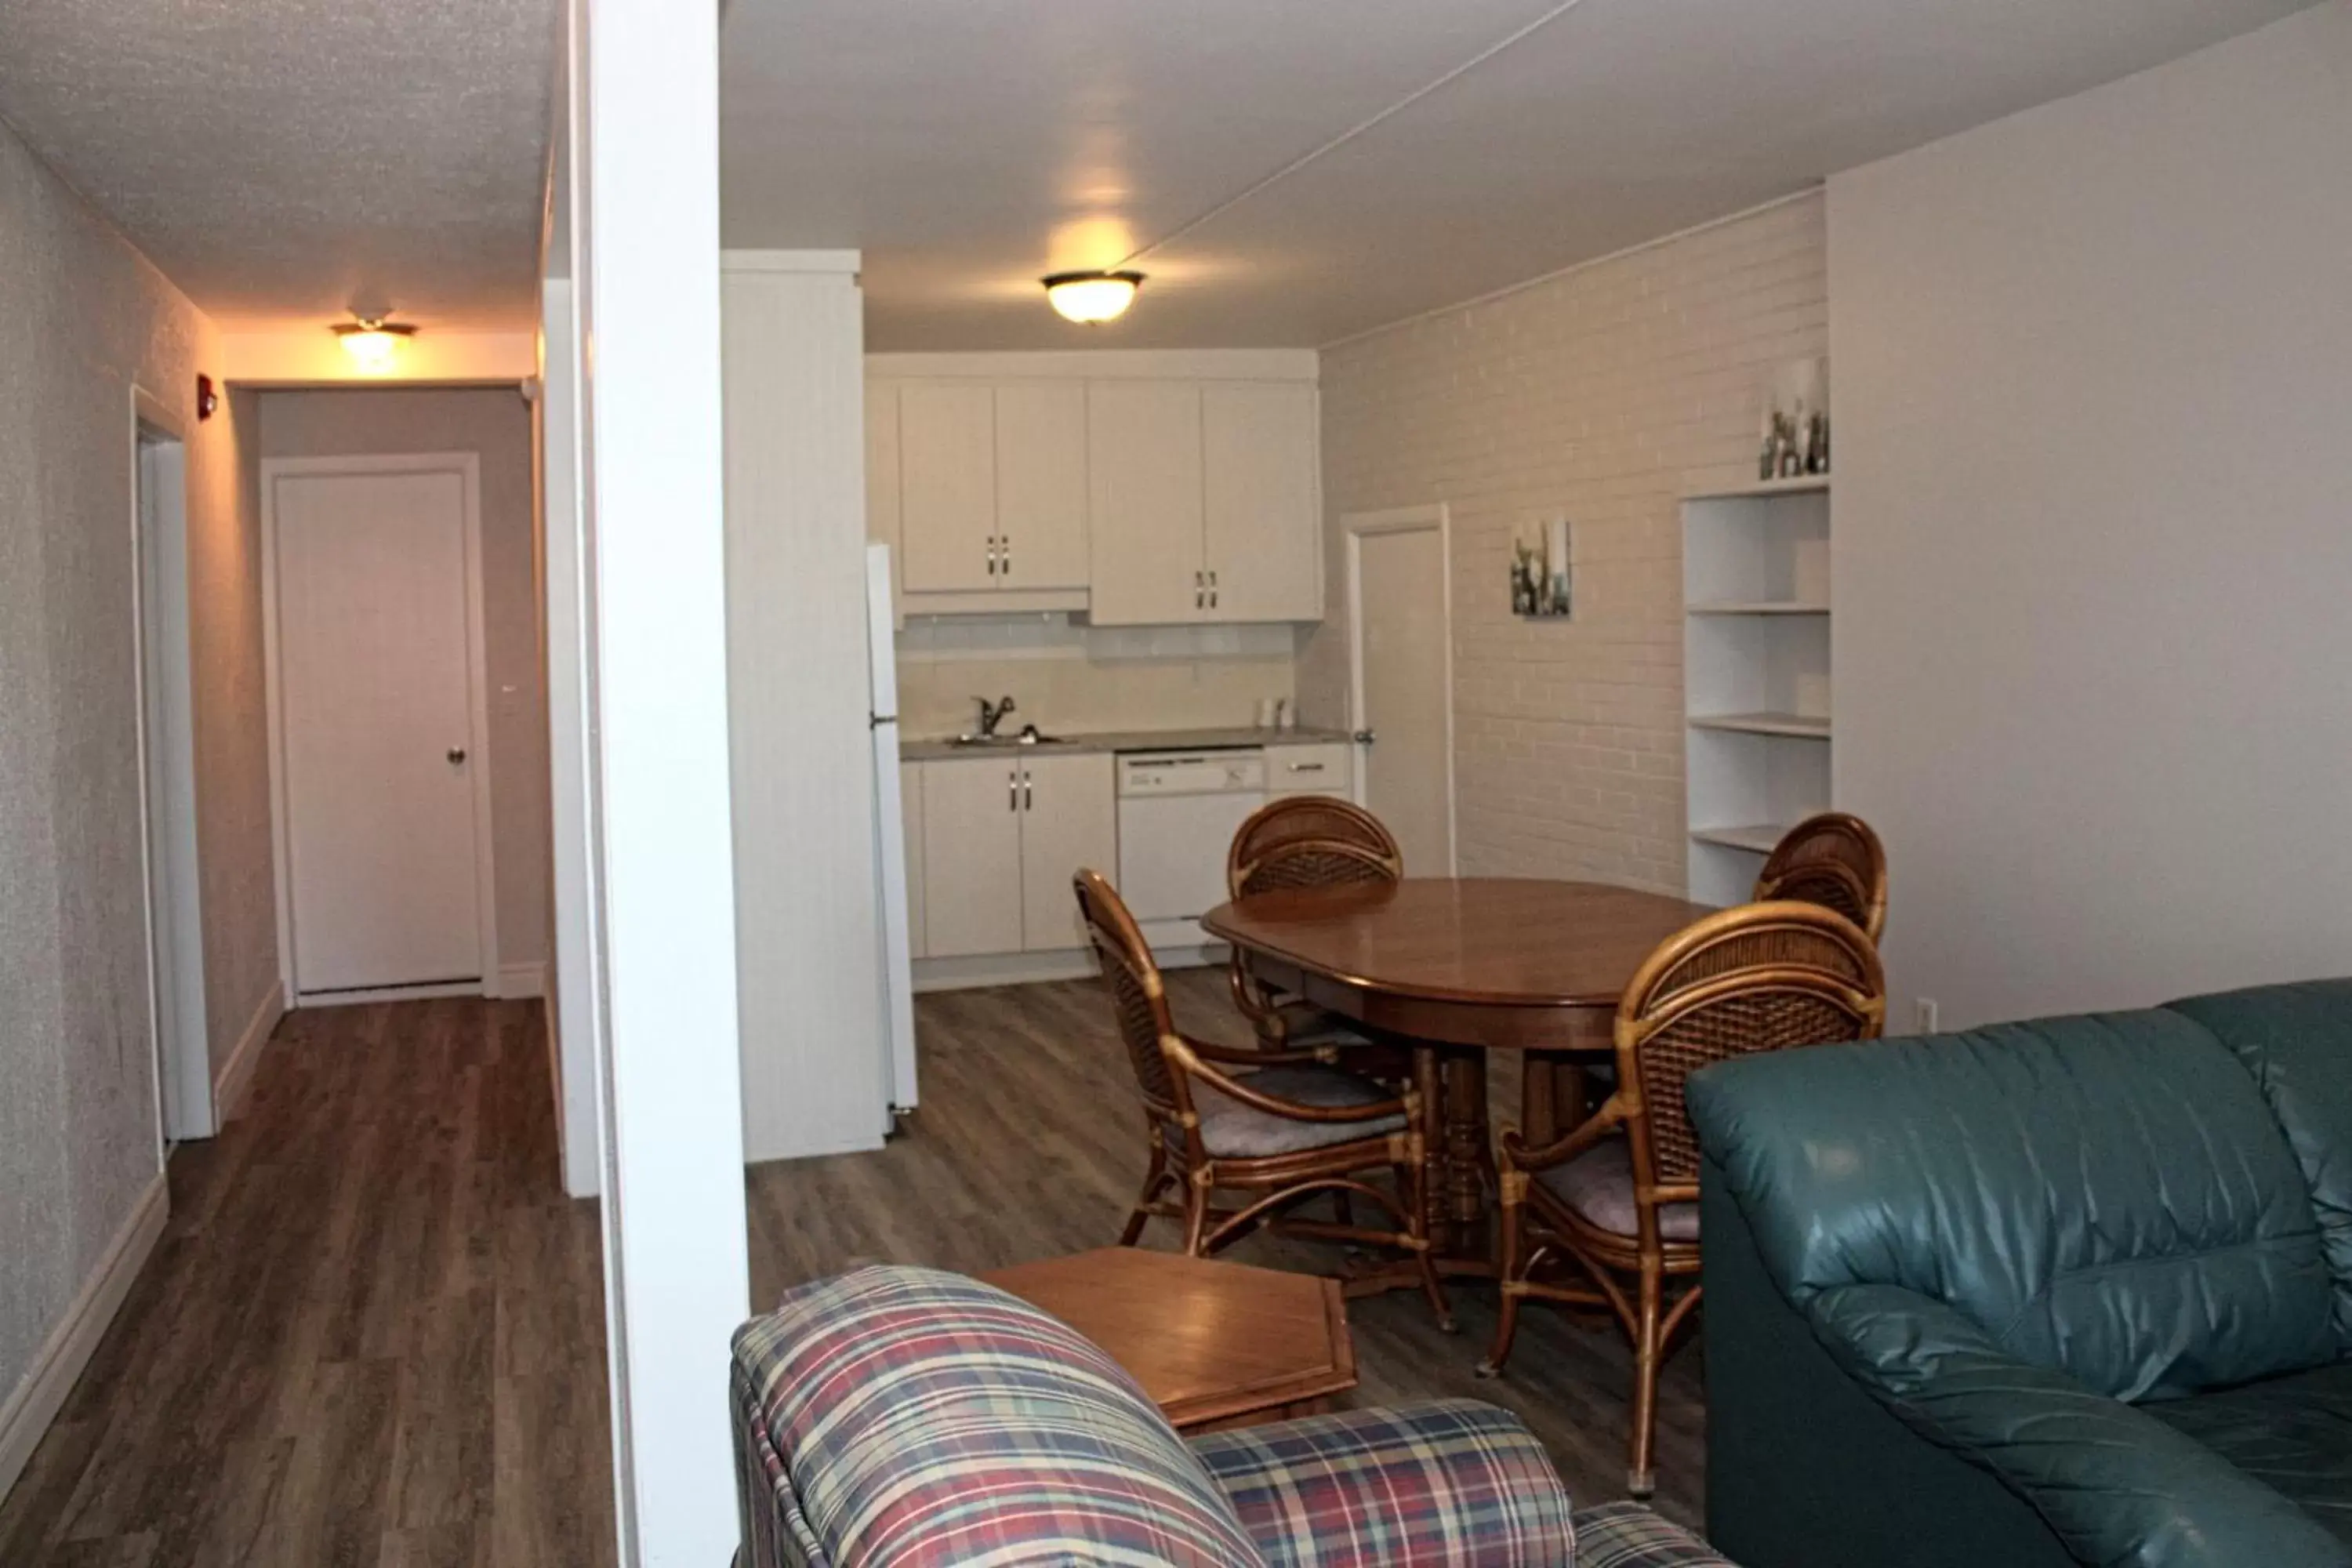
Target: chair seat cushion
1628	1535
924	1418
1598	1185
2294	1434
1232	1131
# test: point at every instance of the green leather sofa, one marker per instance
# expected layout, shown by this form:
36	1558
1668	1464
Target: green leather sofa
2073	1290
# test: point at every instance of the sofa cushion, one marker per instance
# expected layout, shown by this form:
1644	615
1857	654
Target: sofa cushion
1599	1186
1628	1535
924	1417
2104	1195
1232	1131
1449	1480
2292	1432
2296	1040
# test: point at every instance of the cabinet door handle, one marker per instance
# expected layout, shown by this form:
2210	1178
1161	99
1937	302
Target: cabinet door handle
1200	591
991	555
1004	553
1305	767
1012	790
1028	791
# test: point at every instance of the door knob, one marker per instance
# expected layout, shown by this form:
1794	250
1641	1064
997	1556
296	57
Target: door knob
1365	737
456	754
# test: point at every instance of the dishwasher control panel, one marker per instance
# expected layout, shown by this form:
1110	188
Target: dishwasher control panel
1192	773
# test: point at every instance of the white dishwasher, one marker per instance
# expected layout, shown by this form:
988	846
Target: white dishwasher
1177	812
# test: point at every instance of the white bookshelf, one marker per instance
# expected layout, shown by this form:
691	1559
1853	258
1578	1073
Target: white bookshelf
1756	674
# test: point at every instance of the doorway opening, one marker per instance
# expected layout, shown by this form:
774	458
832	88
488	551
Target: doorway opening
379	724
167	774
1401	677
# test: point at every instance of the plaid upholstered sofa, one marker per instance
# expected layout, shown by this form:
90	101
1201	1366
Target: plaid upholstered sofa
899	1416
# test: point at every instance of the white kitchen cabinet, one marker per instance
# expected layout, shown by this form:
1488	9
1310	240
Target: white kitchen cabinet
1041	484
1002	837
911	817
1069	819
946	486
1145	496
972	857
1261	515
1309	767
1203	502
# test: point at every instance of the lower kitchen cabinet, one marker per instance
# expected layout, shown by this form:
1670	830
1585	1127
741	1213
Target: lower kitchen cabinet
1002	837
1069	819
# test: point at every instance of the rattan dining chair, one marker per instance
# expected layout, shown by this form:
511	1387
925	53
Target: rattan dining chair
1301	841
1834	860
1617	1198
1277	1127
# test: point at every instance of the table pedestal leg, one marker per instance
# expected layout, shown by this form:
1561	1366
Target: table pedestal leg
1467	1152
1429	1082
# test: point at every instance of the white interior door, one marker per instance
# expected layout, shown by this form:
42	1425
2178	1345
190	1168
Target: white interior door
1403	676
375	691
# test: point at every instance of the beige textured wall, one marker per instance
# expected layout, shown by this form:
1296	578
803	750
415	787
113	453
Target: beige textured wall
1077	678
495	423
82	317
1604	394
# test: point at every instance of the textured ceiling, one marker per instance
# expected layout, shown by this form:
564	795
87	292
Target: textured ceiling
297	158
1297	171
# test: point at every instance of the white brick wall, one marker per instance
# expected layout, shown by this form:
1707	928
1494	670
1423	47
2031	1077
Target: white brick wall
1605	393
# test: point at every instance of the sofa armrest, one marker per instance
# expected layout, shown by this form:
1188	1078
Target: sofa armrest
1450	1482
2116	1486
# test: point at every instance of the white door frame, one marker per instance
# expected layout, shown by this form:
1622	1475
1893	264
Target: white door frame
181	1045
1354	526
468	466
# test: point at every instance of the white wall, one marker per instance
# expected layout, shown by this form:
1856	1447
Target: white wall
2093	537
1605	393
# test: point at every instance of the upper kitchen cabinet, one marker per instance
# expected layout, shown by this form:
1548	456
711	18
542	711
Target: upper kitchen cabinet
1262	522
990	486
1151	488
1145	509
1203	502
946	486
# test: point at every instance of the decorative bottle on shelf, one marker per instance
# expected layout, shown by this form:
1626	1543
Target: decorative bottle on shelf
1792	457
1768	449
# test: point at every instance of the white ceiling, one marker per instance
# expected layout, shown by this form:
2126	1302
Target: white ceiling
971	146
297	158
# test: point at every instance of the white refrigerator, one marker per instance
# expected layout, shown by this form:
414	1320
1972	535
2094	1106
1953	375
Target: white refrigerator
897	967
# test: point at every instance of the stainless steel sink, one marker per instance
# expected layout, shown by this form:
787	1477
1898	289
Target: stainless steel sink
1028	737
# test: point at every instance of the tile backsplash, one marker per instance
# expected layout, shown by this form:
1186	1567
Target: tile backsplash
1072	677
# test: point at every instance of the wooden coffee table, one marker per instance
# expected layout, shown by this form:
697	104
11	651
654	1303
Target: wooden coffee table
1215	1344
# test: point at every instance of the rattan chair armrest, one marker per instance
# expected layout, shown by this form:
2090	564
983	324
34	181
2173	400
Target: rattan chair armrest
1249	1056
1291	1109
1511	1147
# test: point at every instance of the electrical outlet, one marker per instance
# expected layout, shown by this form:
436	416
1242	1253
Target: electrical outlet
1924	1014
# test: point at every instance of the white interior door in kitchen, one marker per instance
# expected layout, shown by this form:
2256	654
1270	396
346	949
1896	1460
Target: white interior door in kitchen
379	724
1401	647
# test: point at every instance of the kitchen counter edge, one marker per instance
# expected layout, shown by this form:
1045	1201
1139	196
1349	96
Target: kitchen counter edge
1115	741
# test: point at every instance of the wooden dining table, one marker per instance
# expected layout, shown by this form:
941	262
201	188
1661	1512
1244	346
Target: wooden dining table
1455	968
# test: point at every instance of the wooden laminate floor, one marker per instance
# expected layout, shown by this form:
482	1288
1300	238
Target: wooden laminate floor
373	1333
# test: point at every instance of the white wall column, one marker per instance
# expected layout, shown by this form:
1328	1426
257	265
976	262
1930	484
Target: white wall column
644	145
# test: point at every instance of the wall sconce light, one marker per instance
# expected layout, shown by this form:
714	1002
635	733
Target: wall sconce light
374	342
1091	297
207	399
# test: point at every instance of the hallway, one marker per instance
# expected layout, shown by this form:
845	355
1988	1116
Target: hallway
373	1333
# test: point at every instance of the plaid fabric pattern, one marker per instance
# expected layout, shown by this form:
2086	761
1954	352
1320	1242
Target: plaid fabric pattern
1450	1482
1627	1535
775	1534
924	1418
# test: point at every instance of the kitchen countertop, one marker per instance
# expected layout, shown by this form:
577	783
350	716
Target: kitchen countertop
923	751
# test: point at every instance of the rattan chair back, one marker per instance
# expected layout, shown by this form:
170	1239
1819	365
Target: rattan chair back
1138	997
1309	841
1761	977
1834	860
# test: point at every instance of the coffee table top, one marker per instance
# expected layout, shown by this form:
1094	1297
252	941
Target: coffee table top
1208	1340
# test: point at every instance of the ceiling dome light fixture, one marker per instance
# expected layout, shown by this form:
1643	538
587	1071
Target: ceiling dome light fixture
1091	297
374	342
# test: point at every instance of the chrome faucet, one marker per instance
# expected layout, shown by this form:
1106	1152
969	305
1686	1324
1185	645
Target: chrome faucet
992	715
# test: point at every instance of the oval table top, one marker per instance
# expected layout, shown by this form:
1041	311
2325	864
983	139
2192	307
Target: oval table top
1477	942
